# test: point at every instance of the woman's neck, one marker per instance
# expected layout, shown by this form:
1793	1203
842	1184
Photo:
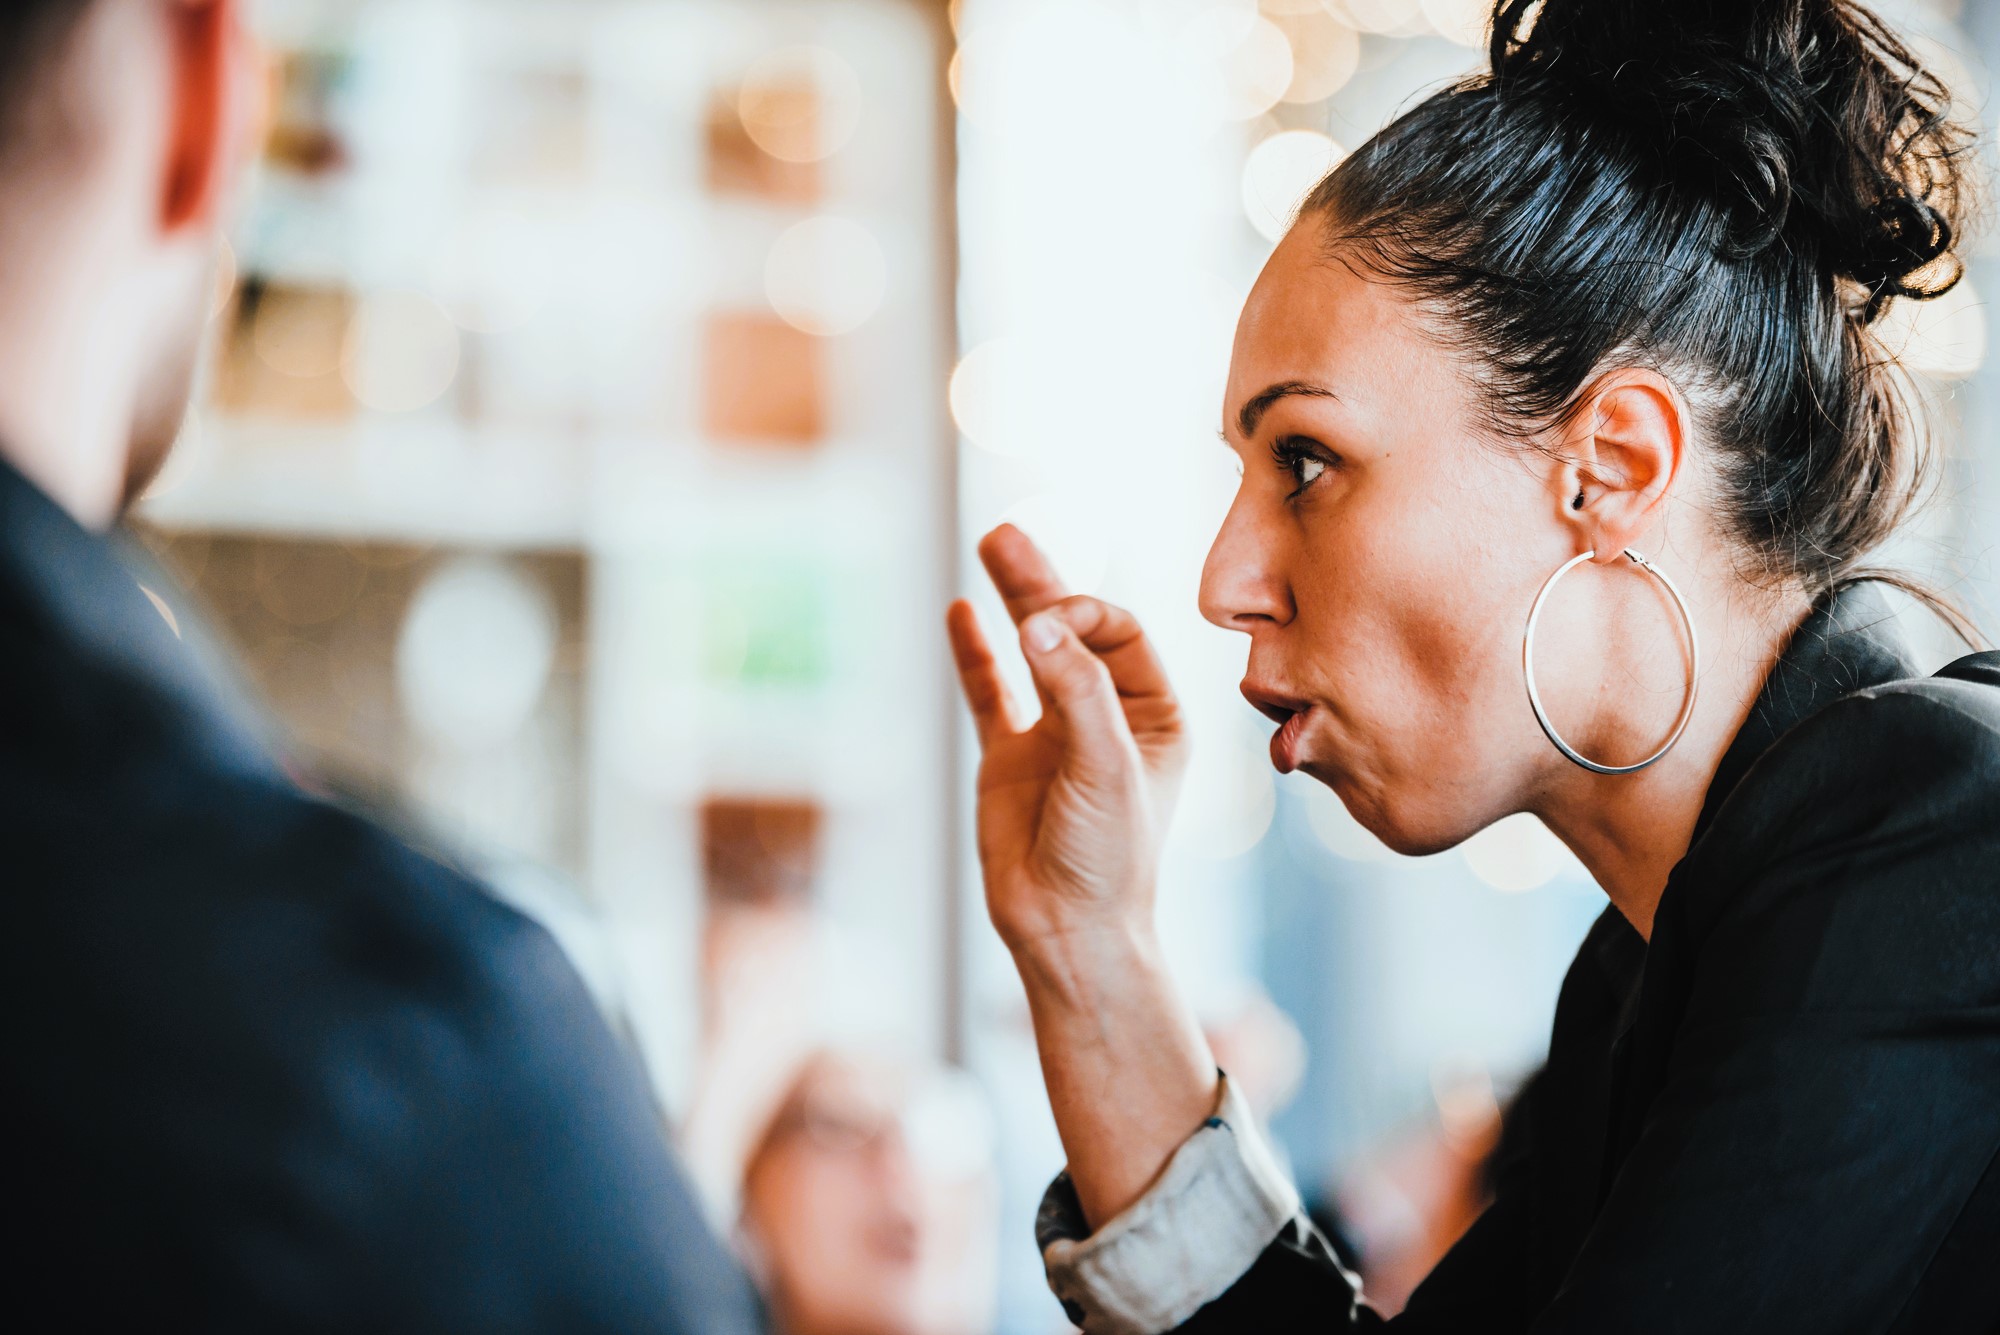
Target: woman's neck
1631	830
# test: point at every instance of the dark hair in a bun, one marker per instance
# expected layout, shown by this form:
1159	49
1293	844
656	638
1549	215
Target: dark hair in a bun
1730	191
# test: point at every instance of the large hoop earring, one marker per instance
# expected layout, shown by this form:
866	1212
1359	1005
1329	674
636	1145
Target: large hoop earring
1535	696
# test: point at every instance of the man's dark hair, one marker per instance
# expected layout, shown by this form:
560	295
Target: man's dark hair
32	33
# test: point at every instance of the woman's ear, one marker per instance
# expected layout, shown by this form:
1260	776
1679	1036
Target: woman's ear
1624	448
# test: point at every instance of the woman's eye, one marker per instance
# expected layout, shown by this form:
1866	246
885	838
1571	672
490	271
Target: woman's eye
1303	462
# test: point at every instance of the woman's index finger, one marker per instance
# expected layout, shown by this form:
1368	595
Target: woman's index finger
1024	577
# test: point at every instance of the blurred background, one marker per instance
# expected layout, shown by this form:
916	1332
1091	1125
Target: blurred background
606	397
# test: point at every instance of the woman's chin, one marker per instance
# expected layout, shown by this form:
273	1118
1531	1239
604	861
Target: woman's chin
1398	824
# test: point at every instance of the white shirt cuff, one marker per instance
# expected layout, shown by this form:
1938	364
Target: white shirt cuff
1198	1229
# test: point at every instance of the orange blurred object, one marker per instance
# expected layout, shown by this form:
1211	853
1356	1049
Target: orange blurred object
759	851
765	381
735	165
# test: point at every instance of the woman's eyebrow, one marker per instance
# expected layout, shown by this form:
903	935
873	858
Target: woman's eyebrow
1252	412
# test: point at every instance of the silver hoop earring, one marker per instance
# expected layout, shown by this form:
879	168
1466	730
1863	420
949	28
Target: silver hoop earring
1535	696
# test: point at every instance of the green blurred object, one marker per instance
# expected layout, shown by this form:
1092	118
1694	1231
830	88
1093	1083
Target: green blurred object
765	624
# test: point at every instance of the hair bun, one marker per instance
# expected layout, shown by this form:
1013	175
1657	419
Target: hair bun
1808	122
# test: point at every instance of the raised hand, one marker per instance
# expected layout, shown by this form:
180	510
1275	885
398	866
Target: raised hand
1072	811
1073	808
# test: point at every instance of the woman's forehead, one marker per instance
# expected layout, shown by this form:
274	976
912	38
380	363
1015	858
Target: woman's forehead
1312	319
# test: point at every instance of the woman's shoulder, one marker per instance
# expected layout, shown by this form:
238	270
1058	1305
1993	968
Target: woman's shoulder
1919	752
1947	724
1857	863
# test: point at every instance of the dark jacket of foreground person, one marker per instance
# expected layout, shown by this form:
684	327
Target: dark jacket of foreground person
1783	1114
268	1068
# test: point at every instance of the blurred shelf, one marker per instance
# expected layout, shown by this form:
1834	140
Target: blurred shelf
375	479
759	540
431	479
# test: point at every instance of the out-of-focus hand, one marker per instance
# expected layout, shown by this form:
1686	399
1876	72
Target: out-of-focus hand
1072	809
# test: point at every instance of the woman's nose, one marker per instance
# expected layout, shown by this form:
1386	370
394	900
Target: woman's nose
1242	584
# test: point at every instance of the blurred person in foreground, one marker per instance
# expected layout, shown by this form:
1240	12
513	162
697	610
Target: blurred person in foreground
270	1069
868	1202
1608	315
856	1179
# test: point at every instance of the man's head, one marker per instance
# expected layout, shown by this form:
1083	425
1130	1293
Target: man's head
867	1203
123	127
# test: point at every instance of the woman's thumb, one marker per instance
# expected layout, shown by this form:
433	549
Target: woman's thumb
1078	685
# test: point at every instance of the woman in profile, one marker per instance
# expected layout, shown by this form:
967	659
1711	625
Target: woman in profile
1566	435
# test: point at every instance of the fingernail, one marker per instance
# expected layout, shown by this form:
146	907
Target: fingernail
1044	633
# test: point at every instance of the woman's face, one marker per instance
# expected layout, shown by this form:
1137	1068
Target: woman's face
1381	556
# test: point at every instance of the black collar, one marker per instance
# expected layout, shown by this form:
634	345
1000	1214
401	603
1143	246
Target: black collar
83	596
1849	642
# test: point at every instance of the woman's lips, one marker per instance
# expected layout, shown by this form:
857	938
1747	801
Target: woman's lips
1290	713
1285	742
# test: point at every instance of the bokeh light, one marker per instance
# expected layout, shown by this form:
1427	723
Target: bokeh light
402	352
1517	853
826	275
300	336
1388	18
800	103
986	398
1945	337
474	653
975	75
1335	827
1466	22
1325	54
1210	27
1085	62
1280	172
1255	71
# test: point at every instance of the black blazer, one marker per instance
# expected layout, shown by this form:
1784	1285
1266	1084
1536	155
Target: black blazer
1782	1114
268	1069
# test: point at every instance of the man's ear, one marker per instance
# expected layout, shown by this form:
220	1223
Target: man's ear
216	107
1623	450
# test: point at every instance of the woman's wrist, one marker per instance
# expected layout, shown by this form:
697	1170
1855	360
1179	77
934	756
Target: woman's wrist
1084	967
1129	1073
